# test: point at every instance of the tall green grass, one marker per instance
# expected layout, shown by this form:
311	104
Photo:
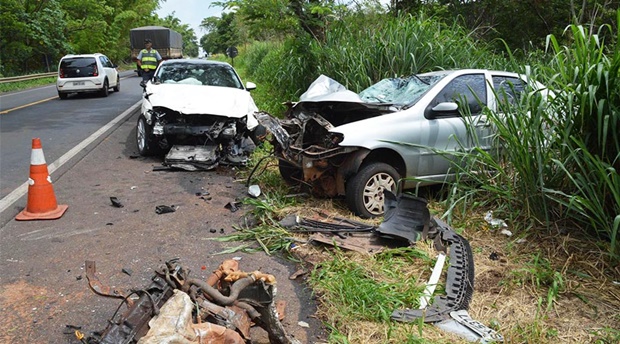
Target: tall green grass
359	51
559	155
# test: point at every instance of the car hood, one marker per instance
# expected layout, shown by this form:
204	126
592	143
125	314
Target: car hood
194	99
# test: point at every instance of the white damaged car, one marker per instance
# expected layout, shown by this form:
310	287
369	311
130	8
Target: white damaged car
357	145
198	113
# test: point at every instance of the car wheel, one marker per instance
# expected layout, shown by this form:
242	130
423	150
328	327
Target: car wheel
117	88
291	174
147	144
62	95
364	192
106	88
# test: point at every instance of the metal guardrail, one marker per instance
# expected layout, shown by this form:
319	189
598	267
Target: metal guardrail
27	77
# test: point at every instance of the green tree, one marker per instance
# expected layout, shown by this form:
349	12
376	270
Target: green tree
222	33
190	45
31	36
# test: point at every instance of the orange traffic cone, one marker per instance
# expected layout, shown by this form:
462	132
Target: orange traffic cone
41	200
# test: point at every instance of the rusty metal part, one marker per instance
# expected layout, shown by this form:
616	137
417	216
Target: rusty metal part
229	316
227	267
134	322
216	295
96	285
257	275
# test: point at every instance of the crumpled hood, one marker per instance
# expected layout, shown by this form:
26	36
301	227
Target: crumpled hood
194	99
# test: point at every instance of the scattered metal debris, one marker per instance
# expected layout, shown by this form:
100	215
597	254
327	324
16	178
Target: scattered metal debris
233	206
221	309
324	224
407	217
96	285
116	203
164	209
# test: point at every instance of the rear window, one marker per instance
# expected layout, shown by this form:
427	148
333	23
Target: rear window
76	67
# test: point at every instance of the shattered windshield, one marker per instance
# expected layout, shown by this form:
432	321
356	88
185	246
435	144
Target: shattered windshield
400	91
199	74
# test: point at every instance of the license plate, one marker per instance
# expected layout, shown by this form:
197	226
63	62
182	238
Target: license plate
78	83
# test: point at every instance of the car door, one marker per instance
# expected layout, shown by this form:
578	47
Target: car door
455	124
110	70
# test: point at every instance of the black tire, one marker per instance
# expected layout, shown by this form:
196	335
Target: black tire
117	88
62	95
147	144
364	191
106	88
291	174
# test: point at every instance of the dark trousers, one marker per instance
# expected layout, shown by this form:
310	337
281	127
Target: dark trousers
146	76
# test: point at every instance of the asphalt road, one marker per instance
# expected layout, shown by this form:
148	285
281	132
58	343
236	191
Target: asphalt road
43	287
61	124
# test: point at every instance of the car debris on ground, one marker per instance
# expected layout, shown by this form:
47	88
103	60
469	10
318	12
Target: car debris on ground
407	221
176	308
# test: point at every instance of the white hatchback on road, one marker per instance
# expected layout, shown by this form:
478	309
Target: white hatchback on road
87	73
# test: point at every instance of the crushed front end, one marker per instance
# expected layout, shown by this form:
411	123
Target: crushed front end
200	141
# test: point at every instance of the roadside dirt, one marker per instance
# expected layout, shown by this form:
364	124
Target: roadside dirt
43	287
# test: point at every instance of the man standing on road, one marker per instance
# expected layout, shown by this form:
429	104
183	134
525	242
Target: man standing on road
148	59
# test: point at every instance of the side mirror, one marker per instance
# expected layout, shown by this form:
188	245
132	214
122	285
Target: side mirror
250	86
444	109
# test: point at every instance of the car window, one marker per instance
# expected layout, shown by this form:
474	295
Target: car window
508	89
199	74
467	89
399	91
105	61
74	67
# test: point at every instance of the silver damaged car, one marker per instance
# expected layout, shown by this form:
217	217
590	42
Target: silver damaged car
357	145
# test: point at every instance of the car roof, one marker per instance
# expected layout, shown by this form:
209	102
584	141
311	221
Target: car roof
469	71
195	62
82	55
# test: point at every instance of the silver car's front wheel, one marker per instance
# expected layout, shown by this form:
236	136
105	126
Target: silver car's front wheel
364	191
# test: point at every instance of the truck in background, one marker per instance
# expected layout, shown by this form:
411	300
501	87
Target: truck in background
167	42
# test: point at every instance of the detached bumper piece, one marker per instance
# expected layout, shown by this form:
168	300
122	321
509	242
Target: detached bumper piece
192	158
407	217
459	281
175	308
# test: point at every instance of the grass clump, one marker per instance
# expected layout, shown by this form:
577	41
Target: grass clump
26	84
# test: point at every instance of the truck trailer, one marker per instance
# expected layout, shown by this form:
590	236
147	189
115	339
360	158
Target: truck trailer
167	42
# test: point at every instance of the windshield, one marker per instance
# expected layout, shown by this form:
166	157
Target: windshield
199	74
400	91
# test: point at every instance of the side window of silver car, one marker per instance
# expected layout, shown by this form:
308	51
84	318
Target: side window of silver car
469	90
508	89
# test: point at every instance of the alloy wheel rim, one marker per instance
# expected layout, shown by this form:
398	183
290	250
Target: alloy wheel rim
373	197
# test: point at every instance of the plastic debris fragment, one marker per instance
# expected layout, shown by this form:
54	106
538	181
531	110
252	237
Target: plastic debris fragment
493	221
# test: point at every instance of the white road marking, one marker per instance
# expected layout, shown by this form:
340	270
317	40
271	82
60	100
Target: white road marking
21	190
